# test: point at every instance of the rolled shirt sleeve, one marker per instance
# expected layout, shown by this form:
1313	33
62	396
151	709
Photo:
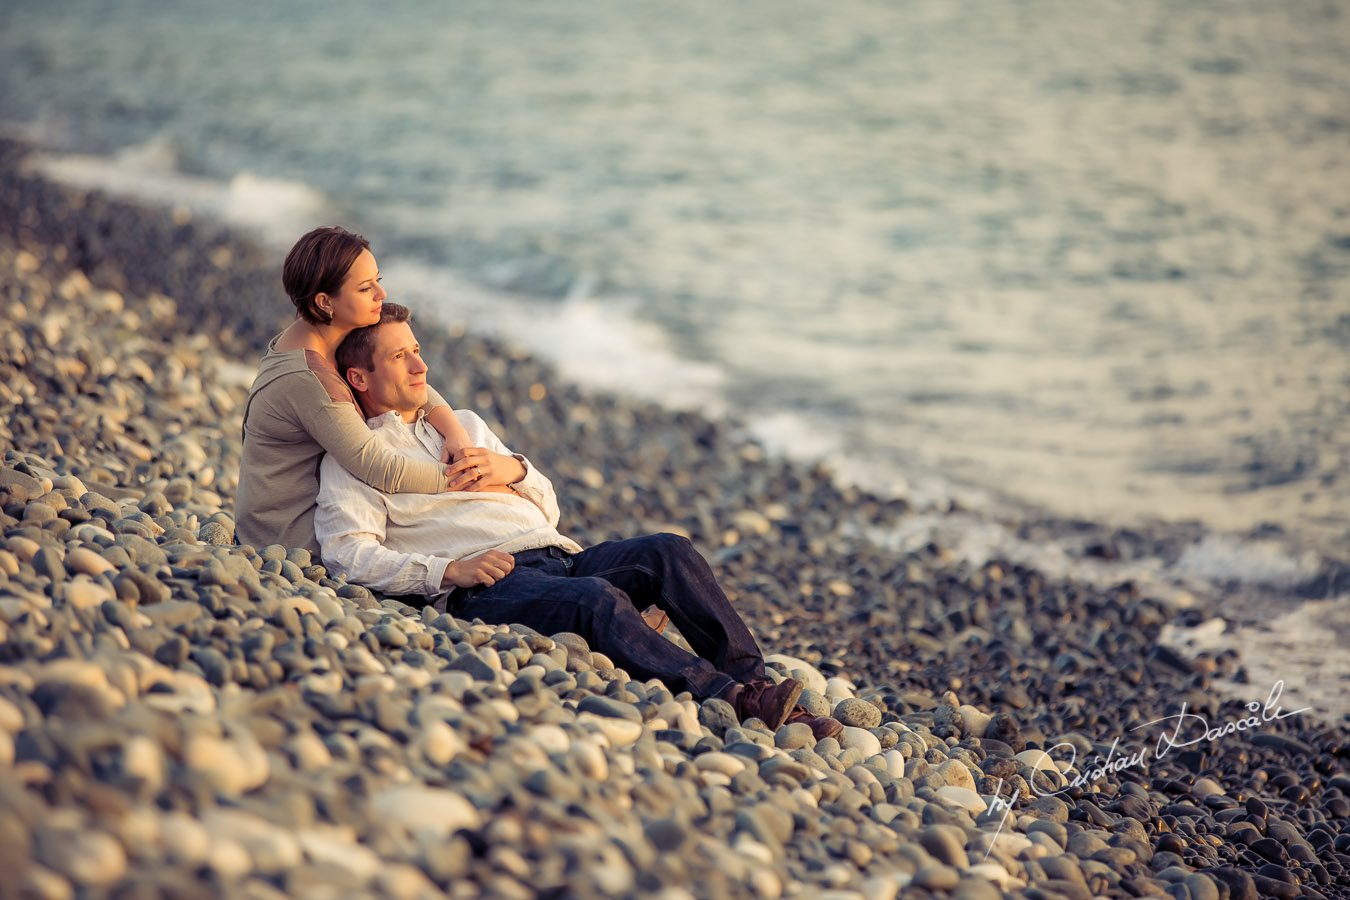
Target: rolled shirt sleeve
535	486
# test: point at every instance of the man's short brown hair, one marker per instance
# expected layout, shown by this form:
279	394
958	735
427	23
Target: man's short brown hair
357	350
318	264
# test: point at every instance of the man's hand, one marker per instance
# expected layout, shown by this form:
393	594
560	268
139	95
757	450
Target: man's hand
479	469
486	569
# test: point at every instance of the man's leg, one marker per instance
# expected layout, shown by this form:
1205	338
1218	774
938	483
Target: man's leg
666	570
544	592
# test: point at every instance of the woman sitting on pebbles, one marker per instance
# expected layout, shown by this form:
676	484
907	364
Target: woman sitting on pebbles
299	406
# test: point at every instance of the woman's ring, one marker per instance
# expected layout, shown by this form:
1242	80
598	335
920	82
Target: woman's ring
478	471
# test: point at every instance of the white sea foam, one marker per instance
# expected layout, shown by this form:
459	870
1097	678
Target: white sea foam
793	435
1224	558
277	208
596	343
1305	647
819	439
977	538
274	209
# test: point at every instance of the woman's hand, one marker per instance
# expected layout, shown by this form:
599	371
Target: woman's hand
479	469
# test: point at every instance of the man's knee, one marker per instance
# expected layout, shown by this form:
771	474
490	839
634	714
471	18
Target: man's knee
670	545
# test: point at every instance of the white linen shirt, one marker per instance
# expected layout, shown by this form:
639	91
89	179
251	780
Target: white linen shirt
403	543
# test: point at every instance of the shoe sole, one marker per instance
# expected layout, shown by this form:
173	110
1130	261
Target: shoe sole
789	706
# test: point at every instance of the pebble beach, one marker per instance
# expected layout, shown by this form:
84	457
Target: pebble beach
182	716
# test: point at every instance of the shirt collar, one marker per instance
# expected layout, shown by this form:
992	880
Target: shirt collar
391	417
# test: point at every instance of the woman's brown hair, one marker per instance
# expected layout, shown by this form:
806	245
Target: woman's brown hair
318	264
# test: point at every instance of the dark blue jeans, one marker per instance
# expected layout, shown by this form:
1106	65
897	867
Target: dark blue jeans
598	594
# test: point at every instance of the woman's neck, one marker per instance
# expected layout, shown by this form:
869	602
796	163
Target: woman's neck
302	335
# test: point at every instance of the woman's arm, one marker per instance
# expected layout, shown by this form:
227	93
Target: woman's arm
441	417
338	427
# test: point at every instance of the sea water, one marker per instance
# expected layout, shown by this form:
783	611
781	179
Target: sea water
1090	260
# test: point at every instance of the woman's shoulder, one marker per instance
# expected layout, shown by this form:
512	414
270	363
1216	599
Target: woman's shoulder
295	370
327	374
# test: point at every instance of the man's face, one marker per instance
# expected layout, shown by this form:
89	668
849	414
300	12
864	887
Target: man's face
399	379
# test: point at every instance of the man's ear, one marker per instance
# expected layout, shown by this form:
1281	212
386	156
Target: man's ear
357	379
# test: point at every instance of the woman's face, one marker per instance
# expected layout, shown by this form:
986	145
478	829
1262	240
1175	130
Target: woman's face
359	300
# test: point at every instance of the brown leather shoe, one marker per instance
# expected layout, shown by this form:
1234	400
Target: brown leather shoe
764	700
656	618
821	726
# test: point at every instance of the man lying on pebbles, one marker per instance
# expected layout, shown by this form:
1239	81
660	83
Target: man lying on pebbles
489	548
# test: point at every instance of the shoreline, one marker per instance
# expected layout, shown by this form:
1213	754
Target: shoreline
1230	509
971	664
1284	569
